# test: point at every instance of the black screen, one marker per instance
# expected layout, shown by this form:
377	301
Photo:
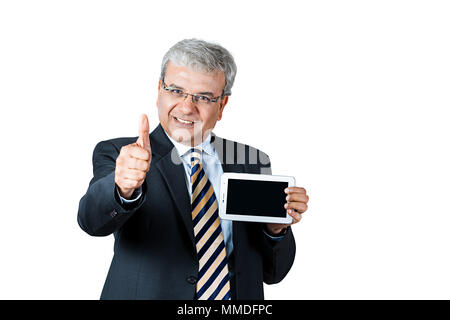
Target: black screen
256	198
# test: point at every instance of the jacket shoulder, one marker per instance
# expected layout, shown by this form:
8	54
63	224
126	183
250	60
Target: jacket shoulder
108	150
233	152
117	143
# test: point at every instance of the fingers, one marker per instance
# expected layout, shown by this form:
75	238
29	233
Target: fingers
132	174
135	151
138	164
300	197
296	217
297	206
128	179
297	195
144	129
295	190
127	186
297	202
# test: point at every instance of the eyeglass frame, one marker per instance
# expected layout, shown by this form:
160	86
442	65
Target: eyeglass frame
193	95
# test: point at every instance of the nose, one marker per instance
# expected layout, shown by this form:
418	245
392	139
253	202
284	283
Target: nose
187	105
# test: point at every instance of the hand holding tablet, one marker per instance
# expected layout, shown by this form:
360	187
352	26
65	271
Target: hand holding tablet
297	203
261	198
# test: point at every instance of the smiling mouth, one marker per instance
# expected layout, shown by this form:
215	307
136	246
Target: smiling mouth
183	121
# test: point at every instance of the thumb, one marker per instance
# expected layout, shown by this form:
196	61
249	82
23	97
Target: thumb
144	141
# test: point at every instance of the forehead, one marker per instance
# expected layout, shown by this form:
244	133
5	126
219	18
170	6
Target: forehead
190	79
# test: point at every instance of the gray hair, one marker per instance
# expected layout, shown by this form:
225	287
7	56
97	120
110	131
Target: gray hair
202	56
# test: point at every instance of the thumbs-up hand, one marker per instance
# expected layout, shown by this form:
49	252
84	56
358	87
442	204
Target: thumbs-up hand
133	161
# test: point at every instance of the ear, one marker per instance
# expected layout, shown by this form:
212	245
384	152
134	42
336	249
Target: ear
159	93
222	106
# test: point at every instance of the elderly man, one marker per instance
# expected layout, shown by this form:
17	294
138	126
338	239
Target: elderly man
157	194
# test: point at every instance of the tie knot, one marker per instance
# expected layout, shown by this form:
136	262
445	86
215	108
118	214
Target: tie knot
196	156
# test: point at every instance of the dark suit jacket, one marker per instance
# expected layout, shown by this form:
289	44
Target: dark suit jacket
154	249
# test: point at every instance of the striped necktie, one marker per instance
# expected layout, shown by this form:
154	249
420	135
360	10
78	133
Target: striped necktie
213	279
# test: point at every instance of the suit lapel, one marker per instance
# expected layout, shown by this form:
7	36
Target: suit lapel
173	174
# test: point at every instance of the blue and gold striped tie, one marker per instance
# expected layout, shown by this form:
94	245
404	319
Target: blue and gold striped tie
213	279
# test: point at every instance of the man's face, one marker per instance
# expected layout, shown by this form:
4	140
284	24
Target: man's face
186	121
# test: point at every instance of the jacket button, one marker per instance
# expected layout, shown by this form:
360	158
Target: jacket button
191	279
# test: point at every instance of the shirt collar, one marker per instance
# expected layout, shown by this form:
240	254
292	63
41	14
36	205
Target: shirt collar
183	149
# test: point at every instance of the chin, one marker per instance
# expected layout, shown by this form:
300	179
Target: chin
188	136
184	139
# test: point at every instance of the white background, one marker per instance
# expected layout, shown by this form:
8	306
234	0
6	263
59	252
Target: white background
350	97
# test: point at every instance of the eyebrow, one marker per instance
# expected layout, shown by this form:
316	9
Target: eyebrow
173	85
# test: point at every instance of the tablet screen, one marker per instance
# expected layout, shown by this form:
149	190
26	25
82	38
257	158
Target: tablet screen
258	198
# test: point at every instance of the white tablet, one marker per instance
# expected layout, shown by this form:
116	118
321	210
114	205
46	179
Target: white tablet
254	197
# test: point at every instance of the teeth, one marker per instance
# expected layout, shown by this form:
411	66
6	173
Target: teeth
184	121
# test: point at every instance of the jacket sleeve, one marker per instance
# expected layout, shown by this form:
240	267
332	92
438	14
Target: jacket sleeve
100	212
278	256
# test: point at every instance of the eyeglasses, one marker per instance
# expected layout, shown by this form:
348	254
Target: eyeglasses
199	99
